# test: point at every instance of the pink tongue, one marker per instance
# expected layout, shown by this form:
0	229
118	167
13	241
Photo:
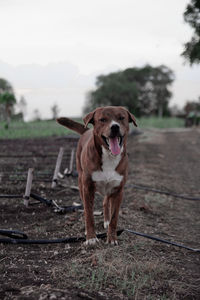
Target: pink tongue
114	146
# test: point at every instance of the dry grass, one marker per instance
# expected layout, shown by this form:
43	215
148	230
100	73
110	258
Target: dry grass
121	270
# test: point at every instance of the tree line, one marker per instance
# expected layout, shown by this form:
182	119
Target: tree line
144	91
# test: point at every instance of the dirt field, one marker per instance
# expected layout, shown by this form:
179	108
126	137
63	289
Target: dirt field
137	268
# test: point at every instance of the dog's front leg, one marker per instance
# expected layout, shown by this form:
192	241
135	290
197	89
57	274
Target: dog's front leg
88	200
106	209
115	202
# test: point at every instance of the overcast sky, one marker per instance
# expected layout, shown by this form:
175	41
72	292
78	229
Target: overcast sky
52	50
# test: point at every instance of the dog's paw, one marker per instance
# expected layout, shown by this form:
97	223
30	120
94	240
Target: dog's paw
112	242
91	242
106	224
112	239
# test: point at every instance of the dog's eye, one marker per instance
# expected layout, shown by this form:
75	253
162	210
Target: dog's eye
121	118
103	120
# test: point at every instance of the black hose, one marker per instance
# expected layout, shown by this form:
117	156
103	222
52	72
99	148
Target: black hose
145	188
16	239
42	241
161	240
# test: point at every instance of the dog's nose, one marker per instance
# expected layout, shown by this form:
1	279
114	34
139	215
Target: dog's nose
115	129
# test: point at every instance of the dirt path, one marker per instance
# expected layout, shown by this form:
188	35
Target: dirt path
136	269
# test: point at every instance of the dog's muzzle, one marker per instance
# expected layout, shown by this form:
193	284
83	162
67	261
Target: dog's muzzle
115	140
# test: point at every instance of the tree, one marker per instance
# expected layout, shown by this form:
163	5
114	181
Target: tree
7	100
5	86
160	79
36	115
143	91
55	111
192	17
22	106
112	89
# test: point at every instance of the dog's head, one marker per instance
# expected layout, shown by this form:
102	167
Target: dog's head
111	126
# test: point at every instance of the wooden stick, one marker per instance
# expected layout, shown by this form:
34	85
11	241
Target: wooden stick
71	161
68	171
28	186
57	168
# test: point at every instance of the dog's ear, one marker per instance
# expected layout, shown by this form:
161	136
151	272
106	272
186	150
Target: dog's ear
89	118
131	118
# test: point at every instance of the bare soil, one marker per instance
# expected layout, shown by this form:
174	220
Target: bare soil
137	268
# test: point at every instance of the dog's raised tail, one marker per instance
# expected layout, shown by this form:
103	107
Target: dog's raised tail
73	125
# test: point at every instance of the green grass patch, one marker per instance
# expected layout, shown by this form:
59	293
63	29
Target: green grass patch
34	129
155	122
19	129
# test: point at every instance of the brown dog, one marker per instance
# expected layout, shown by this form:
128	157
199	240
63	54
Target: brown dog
102	164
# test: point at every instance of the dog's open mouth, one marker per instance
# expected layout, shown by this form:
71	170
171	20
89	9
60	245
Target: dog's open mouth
114	144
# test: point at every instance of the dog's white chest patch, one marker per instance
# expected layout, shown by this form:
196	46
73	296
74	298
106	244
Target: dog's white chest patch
107	179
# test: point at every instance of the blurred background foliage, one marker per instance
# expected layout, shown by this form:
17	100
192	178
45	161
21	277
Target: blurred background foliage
143	91
192	17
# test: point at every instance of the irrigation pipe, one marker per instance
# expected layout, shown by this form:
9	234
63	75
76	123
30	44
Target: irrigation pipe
146	188
68	240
